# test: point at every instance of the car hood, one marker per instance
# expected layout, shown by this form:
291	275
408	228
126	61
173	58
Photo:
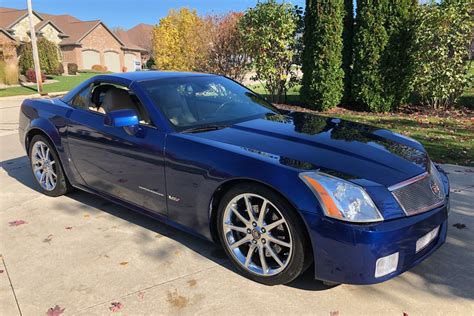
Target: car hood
342	148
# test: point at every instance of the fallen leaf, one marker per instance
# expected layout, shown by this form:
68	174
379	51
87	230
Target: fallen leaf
86	216
55	311
335	313
17	223
459	226
48	239
192	282
116	306
141	295
1	271
123	263
68	227
176	300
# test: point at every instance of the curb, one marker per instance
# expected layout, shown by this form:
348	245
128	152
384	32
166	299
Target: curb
35	95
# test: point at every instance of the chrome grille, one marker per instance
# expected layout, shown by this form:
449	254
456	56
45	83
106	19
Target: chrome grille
419	194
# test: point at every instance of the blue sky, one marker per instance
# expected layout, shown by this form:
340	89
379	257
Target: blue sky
128	13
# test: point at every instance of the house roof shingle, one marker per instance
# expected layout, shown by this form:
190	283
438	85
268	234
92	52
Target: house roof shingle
10	16
125	38
141	35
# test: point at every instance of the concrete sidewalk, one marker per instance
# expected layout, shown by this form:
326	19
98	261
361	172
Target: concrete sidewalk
88	256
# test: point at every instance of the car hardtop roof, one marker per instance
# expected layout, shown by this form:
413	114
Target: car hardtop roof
153	74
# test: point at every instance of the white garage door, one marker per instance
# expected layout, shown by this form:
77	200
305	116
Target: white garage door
112	61
90	58
130	61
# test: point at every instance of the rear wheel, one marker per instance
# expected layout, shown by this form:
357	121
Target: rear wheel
46	168
261	234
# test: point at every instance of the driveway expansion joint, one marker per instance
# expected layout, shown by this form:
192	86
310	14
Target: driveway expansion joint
11	284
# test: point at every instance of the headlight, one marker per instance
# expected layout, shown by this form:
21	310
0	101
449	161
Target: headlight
437	177
342	199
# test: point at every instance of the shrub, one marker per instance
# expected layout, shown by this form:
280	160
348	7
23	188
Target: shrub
99	68
31	75
228	55
270	31
72	68
60	69
48	54
322	84
442	50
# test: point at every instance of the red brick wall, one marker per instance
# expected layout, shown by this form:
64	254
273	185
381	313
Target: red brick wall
101	40
71	54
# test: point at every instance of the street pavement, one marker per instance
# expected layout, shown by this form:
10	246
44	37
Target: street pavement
80	254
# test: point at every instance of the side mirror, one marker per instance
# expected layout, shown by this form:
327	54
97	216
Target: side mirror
121	118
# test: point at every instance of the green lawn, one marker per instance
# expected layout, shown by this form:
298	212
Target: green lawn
467	99
65	83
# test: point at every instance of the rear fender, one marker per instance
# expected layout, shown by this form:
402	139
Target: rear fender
44	126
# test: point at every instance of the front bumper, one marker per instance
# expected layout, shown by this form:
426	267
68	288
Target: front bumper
347	253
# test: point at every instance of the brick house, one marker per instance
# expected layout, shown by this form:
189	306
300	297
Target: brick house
140	35
8	47
85	43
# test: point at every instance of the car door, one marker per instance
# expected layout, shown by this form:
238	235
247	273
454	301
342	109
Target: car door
113	162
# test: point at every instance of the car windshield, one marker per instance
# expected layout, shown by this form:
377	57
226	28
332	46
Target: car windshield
197	102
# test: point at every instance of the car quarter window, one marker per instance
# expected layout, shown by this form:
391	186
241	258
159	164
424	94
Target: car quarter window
82	99
103	97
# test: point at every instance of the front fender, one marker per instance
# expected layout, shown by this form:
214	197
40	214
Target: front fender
193	175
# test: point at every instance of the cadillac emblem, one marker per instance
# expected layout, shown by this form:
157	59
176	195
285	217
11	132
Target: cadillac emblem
435	189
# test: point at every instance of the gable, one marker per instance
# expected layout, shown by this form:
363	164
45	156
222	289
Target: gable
101	37
51	33
22	28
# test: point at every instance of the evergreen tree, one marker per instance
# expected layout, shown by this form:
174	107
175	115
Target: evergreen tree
397	60
383	40
322	83
347	52
370	40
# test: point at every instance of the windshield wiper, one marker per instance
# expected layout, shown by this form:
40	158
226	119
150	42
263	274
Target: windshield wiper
203	128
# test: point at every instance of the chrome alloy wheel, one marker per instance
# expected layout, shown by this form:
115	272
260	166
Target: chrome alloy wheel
44	166
257	234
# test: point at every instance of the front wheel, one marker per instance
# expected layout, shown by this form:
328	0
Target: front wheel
262	235
46	167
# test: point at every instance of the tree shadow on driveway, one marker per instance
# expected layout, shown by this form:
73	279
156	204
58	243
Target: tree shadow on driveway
447	273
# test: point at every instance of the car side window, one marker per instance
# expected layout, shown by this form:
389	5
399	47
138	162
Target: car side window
83	99
93	96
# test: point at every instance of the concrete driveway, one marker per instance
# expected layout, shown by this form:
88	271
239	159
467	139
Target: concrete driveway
79	254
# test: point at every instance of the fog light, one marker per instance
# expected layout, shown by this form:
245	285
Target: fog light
386	265
426	239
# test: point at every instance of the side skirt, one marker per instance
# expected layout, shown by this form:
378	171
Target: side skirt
143	211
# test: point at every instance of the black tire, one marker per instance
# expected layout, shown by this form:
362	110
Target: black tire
300	257
62	184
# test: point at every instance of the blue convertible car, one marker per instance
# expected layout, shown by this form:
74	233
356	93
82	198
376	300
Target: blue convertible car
279	190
